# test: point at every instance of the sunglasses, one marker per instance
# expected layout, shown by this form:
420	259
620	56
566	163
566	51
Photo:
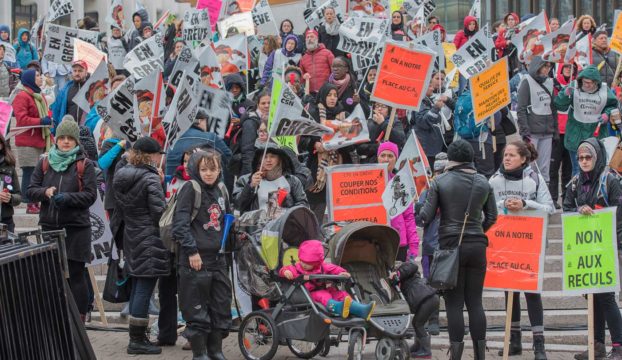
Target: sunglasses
586	157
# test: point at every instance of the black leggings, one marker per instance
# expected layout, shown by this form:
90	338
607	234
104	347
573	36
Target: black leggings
78	285
606	310
534	309
424	312
468	291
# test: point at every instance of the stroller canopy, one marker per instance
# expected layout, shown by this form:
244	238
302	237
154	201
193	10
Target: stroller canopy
365	241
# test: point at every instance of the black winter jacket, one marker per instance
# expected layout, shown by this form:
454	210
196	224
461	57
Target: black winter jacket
140	202
11	184
250	125
414	286
451	192
427	123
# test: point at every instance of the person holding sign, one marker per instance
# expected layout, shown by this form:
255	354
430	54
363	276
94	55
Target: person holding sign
518	187
378	125
595	188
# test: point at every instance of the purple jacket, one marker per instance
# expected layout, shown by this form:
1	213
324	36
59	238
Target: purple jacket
266	77
407	227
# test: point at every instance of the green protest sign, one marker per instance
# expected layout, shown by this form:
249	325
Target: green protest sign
590	253
277	94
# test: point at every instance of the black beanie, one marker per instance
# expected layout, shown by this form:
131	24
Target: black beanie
460	151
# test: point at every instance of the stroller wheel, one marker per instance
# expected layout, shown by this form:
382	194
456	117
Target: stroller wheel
258	336
403	353
305	349
328	342
386	349
355	345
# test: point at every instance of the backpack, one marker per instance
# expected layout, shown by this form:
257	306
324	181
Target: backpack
603	191
80	165
464	120
166	221
19	47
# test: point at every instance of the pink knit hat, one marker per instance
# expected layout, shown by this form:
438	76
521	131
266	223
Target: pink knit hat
311	252
387	145
312	31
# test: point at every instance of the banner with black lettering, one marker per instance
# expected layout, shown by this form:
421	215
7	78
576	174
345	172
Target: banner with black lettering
232	54
59	44
476	10
9	52
149	103
299	126
419	10
217	104
59	8
116	17
264	19
196	25
361	36
181	112
476	54
146	57
117	110
94	89
186	62
315	16
432	40
101	236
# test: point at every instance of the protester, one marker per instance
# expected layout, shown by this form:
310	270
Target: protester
585	24
602	56
56	72
64	182
10	193
378	125
279	59
8	80
25	52
234	84
172	59
5	33
594	188
367	88
504	45
518	187
317	61
135	37
329	31
64	104
554	24
469	214
287	28
397	26
270	44
470	28
251	124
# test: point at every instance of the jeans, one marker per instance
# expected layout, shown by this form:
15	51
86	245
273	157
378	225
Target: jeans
26	174
574	161
142	289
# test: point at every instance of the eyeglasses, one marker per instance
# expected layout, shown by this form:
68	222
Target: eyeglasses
585	158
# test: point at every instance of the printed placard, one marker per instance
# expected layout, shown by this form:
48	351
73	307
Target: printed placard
491	90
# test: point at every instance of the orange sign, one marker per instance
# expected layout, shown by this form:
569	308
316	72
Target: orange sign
491	90
376	214
616	36
515	254
403	76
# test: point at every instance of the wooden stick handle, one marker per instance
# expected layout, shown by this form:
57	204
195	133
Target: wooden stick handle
387	134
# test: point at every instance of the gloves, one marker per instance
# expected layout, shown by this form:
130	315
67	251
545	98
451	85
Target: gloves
568	91
46	121
604	119
58	201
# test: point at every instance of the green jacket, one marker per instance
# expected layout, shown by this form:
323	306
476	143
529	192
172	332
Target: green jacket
576	131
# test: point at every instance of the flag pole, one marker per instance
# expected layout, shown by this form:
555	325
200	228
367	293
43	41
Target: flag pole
390	125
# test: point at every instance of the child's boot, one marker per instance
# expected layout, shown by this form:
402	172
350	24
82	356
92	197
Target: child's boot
362	310
425	348
340	308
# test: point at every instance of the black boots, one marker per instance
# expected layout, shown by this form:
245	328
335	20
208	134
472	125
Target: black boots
199	347
516	346
433	325
214	345
538	347
423	350
479	349
455	350
139	343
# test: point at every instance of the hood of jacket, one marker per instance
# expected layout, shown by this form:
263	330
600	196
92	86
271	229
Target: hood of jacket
287	163
322	94
468	19
21	32
601	159
193	169
562	79
234	79
144	16
536	64
589	72
311	252
290	37
7	29
512	14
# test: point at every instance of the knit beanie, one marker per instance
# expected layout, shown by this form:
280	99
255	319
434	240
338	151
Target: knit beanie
460	151
68	127
587	148
387	145
440	161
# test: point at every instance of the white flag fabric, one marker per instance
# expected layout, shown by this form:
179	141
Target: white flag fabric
314	17
432	40
475	55
9	52
182	111
361	36
116	16
556	43
186	62
148	107
101	236
241	23
476	10
288	105
116	52
59	8
196	25
116	110
353	130
399	193
412	155
210	67
94	89
146	57
527	41
264	19
232	54
217	104
299	126
60	39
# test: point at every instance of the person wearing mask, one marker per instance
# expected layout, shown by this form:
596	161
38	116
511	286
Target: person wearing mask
64	104
404	223
8	80
251	123
585	25
31	109
204	287
537	119
287	28
602	56
316	62
279	59
140	202
25	52
329	31
518	187
397	26
582	124
584	194
469	213
65	183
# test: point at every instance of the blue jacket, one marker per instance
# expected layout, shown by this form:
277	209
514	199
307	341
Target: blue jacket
59	108
92	118
106	160
25	52
192	138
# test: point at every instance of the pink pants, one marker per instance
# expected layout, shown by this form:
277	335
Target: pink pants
331	293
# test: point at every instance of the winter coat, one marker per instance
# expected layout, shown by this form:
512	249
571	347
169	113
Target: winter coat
377	131
110	155
427	123
562	116
528	121
26	114
140	202
461	36
250	125
278	58
577	131
87	142
25	52
414	286
136	36
317	63
430	231
407	228
329	41
59	108
531	188
240	104
10	182
72	212
450	192
9	80
192	138
323	268
606	62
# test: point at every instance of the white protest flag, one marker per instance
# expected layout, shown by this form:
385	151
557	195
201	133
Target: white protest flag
94	89
241	23
9	52
196	25
59	8
210	67
361	36
475	55
476	10
116	111
364	8
232	54
556	43
149	100
412	7
527	41
217	105
399	193
181	113
353	130
264	19
101	236
432	40
146	57
34	31
419	13
449	78
59	45
139	6
583	56
288	105
314	17
298	126
88	53
186	62
116	15
413	155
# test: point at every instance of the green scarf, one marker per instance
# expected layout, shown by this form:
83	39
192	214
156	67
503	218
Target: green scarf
60	160
42	108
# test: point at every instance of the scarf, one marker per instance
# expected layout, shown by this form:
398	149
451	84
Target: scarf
42	109
275	173
332	29
342	85
181	172
513	175
60	160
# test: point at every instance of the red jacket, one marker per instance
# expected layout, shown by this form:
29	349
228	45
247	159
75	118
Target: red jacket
26	114
317	63
461	38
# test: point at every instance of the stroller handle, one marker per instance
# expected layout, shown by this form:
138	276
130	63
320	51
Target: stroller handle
323	277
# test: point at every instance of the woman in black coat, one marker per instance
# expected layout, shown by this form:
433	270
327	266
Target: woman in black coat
140	202
65	184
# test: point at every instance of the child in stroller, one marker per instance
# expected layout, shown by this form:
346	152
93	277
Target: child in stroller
337	302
